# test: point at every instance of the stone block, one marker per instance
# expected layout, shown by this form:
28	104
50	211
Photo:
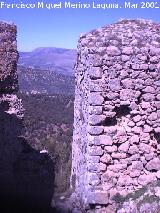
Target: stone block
95	110
145	105
96	119
113	51
147	128
153	116
95	130
149	89
96	151
117	167
125	180
125	58
153	164
110	130
154	51
137	129
124	147
146	179
157	104
98	198
93	179
127	83
134	139
131	124
103	140
154	59
107	176
109	114
144	66
102	167
133	150
114	85
119	155
94	60
158	174
134	173
135	66
95	99
158	97
149	97
136	118
110	149
150	156
106	158
127	50
95	72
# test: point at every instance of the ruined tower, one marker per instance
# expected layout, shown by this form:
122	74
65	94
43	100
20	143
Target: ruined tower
116	144
26	176
8	70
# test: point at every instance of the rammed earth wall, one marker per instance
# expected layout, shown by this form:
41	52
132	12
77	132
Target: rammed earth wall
116	147
8	58
26	176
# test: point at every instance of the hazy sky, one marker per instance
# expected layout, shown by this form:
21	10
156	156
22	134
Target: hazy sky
62	27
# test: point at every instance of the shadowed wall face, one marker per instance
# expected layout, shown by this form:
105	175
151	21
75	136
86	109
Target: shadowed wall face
26	176
117	111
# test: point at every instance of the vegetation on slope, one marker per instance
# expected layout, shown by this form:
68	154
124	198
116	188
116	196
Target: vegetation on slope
44	81
49	125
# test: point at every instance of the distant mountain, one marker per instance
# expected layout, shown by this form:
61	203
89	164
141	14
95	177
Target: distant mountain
50	58
37	81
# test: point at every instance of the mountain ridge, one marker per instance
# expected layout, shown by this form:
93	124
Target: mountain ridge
61	60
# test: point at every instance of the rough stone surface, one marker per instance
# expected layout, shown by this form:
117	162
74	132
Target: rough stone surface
8	58
154	164
117	92
103	140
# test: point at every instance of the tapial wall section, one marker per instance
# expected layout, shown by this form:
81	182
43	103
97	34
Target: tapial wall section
117	111
26	176
8	58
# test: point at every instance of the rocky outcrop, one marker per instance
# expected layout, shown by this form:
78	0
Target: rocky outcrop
117	113
26	176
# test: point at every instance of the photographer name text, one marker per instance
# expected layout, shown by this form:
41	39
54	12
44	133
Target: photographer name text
79	5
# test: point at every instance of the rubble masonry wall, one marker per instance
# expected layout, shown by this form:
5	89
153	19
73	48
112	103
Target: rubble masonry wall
116	146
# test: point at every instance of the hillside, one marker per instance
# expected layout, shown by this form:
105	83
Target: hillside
44	81
50	58
48	125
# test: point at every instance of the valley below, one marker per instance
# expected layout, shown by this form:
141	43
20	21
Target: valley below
47	93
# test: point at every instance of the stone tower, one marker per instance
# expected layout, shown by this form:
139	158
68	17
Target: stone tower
116	146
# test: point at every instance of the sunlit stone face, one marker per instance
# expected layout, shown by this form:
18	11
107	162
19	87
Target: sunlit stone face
118	124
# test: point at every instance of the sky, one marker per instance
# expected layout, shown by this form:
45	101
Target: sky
62	27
